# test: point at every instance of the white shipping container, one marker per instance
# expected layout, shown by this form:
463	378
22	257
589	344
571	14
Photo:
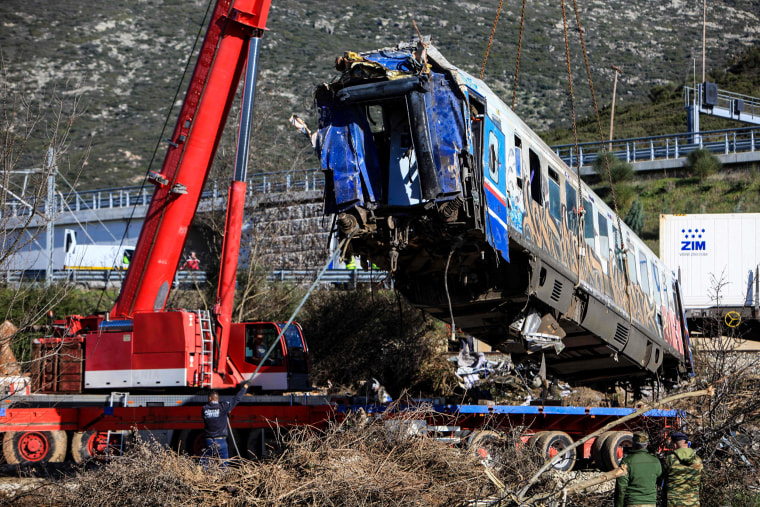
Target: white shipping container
709	251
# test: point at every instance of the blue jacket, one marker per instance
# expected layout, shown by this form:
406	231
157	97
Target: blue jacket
215	414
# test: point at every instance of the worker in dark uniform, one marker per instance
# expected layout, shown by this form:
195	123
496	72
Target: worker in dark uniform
215	424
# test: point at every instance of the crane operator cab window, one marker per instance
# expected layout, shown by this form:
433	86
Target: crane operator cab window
258	339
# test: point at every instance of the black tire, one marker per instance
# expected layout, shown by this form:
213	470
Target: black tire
87	445
534	438
262	443
613	449
191	442
553	442
483	443
27	447
596	448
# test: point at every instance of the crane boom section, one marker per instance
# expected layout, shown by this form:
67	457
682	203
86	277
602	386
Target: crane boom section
193	145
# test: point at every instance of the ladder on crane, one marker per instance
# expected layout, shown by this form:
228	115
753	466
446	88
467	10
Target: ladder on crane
116	434
207	348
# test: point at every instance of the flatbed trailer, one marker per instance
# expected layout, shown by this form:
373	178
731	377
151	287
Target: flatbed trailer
53	428
549	428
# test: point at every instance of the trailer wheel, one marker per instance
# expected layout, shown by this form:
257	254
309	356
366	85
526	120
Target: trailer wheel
551	443
613	449
596	449
22	447
534	438
482	444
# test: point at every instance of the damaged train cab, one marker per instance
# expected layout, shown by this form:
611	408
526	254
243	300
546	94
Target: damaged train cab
435	179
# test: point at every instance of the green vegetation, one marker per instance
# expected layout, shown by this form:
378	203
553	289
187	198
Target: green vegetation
703	163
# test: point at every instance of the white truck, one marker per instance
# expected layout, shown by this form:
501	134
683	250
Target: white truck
717	259
78	256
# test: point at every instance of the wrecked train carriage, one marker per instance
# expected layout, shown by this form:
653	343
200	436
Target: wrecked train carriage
435	179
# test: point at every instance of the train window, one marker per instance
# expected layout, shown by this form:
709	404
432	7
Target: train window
618	249
518	160
588	227
644	272
535	177
656	287
258	339
632	266
604	236
493	157
555	202
571	199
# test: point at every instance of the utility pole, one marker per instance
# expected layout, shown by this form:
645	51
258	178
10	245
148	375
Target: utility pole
704	31
614	91
50	215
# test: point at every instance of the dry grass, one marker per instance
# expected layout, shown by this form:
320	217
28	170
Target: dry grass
360	461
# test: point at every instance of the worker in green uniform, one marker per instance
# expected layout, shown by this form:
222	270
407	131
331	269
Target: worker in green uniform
638	487
683	472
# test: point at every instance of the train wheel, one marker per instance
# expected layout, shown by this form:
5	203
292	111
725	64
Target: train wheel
553	442
25	447
483	444
596	449
613	449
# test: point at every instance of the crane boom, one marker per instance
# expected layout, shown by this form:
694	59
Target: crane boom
193	144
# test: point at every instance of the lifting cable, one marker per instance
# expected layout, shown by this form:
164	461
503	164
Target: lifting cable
519	49
493	31
606	160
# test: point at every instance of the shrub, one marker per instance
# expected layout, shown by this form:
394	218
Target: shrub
635	217
703	163
619	169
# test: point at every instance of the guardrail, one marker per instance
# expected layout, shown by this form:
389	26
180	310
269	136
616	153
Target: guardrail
348	277
122	197
646	149
187	278
635	150
92	277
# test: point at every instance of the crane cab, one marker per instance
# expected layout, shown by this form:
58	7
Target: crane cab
288	365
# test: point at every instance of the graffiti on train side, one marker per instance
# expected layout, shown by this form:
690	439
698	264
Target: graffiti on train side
556	240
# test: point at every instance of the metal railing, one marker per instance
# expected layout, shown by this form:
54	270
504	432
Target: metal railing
726	101
647	149
90	277
123	197
189	278
333	276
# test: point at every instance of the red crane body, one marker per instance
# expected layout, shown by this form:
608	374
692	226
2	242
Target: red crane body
139	343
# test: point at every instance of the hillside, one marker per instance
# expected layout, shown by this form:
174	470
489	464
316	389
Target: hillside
123	62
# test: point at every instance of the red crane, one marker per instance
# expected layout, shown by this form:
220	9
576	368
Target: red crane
139	343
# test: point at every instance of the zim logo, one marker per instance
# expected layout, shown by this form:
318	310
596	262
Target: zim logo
692	240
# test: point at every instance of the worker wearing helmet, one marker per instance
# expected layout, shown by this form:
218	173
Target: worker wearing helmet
638	487
683	470
215	415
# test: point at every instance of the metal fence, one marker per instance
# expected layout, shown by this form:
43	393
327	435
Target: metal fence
183	278
123	197
646	149
92	277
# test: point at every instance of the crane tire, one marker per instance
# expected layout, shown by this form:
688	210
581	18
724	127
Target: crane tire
552	442
612	449
28	447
